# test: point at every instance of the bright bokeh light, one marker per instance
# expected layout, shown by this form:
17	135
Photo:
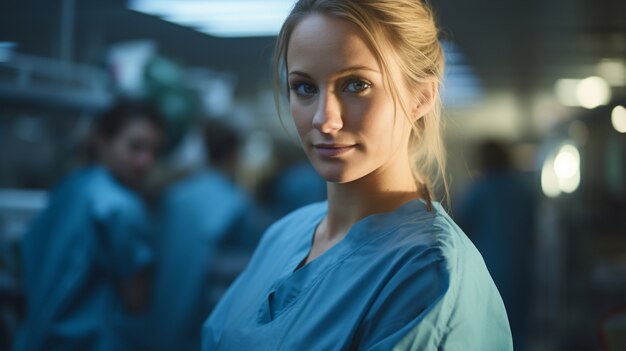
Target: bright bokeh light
618	118
561	172
549	180
565	90
567	162
567	168
592	92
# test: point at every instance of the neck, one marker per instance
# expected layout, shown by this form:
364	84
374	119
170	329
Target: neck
376	193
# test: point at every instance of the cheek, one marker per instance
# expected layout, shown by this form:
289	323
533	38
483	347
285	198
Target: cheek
301	118
375	118
385	132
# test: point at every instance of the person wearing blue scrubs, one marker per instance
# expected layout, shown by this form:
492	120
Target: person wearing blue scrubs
206	237
84	256
379	265
497	212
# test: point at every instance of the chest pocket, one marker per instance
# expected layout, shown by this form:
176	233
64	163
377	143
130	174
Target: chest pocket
286	292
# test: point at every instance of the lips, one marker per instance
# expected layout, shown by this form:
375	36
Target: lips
332	150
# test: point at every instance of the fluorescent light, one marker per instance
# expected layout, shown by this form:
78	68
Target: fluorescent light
243	19
210	7
234	18
237	31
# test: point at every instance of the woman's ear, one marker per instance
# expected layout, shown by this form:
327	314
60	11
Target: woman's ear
425	99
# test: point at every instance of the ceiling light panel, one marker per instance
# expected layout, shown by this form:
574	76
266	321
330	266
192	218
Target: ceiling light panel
234	18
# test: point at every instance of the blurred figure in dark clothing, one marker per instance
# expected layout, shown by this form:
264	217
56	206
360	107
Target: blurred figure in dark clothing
208	227
497	213
85	257
294	184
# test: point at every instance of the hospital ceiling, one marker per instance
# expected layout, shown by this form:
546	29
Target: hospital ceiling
522	46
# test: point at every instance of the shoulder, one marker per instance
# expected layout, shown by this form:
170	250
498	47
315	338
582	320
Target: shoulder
412	229
425	239
93	185
460	296
462	260
428	246
472	304
107	197
414	262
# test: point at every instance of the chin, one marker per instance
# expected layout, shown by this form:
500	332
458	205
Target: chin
337	170
338	176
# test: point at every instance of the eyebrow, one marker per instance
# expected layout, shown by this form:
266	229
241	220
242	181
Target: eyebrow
343	71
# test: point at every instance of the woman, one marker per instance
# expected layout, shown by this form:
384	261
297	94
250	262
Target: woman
84	256
380	265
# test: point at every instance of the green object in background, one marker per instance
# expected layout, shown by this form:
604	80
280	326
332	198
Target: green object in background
165	86
162	73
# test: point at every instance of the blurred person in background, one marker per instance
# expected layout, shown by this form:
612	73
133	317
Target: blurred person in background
497	213
85	257
294	184
379	265
208	227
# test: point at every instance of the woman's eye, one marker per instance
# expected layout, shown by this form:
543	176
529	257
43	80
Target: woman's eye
357	86
304	89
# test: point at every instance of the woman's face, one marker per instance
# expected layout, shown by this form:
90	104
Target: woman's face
346	118
132	152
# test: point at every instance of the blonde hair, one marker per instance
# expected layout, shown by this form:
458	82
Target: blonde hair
406	29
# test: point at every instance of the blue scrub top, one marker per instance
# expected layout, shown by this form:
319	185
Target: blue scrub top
198	217
75	257
408	279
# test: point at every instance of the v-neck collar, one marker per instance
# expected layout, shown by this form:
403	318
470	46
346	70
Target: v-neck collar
293	283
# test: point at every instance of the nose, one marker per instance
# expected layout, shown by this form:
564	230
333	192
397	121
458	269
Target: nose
327	117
